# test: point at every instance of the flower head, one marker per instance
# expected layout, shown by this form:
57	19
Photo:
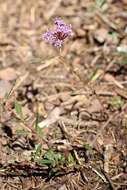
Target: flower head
57	35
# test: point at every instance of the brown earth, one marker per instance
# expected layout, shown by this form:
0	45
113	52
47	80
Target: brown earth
78	97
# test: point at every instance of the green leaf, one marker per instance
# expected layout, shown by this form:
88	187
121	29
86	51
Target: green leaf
116	102
88	147
59	157
39	130
121	53
96	74
100	3
18	109
124	62
70	159
45	162
37	150
49	155
6	96
22	132
53	158
36	121
114	34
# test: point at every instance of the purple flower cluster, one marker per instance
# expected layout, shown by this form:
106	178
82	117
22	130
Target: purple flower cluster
57	36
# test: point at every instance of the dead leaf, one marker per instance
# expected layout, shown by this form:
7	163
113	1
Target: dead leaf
48	63
95	106
107	156
101	35
19	81
122	49
53	116
100	140
110	78
8	74
5	88
63	187
122	93
52	10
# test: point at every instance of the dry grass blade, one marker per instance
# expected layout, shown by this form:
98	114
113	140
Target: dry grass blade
110	78
98	173
48	63
112	187
52	10
107	156
106	20
101	130
19	81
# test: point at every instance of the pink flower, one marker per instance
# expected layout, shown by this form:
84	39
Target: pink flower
57	36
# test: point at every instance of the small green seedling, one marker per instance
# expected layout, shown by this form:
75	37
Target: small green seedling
39	130
122	53
88	148
37	151
52	159
22	132
70	160
100	3
116	102
97	6
18	109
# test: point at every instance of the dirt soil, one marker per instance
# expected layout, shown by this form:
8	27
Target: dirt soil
63	115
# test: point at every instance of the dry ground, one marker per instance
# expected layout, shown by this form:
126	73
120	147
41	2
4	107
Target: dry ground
78	97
